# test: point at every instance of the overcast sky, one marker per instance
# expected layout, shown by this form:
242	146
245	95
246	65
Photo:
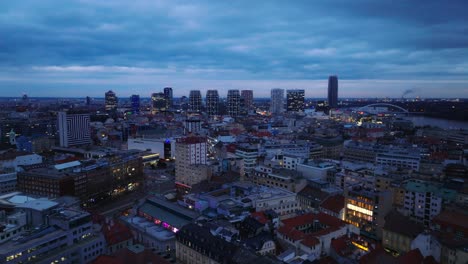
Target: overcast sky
377	48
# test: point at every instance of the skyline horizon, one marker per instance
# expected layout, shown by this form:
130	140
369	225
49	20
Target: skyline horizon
318	91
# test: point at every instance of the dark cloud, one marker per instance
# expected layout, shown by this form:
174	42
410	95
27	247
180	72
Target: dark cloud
233	40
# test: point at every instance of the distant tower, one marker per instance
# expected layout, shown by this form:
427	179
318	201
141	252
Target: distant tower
135	103
158	103
25	100
212	102
233	103
168	96
111	101
277	101
195	101
74	129
333	91
88	100
12	137
295	100
247	96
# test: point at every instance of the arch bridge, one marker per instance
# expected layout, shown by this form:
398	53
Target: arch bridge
366	107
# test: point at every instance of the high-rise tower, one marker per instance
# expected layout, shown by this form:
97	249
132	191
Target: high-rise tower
333	91
135	103
190	164
168	96
212	102
111	101
158	102
233	103
195	101
247	96
295	100
277	101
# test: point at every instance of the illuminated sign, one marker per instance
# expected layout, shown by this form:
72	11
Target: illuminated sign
359	209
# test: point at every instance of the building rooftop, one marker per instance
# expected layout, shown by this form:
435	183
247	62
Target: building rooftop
38	204
334	203
400	224
425	187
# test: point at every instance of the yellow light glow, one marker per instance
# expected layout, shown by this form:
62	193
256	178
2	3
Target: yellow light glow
360	246
359	209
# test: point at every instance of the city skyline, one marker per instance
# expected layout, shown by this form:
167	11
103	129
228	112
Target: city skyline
378	49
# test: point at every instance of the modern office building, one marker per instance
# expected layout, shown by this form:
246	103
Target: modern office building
190	164
169	97
333	91
366	209
295	100
212	102
277	101
87	180
110	101
74	129
233	103
65	235
135	103
249	155
195	101
247	97
158	103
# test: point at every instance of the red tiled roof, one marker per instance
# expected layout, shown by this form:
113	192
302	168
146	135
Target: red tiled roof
290	230
334	203
378	256
127	256
104	259
260	217
452	218
310	241
116	233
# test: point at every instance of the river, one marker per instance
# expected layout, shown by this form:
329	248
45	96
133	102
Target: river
439	122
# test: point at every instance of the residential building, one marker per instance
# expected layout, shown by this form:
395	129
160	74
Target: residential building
195	101
399	232
334	205
424	200
191	163
247	98
233	103
212	102
277	101
12	160
110	101
290	180
311	234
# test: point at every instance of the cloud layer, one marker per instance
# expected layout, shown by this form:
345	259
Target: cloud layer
377	48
